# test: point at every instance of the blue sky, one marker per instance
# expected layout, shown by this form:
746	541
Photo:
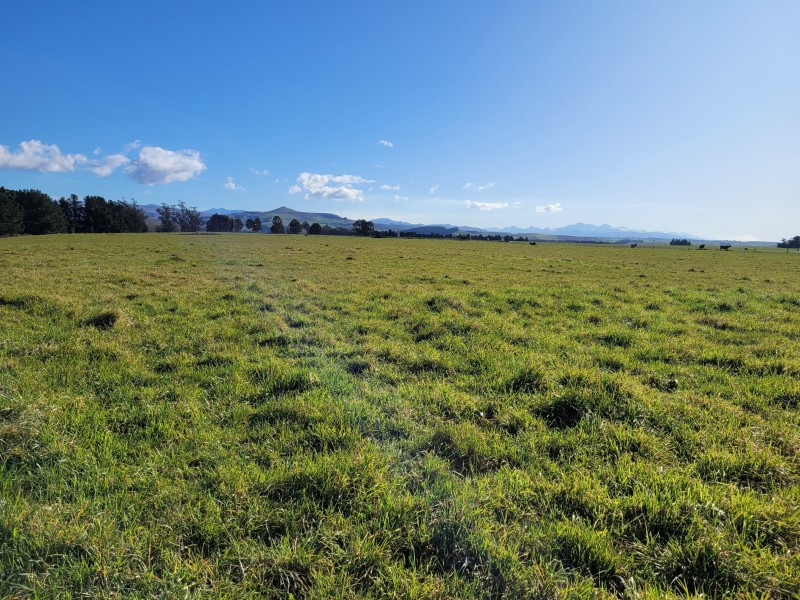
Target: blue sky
677	116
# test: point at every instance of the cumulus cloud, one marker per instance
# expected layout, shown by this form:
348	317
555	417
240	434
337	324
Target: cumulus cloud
156	165
390	187
106	166
34	155
549	208
479	188
486	205
434	188
319	186
386	143
230	184
263	172
134	145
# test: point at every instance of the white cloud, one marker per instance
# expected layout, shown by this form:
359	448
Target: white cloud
348	179
134	145
97	151
157	165
33	155
434	188
390	187
479	188
549	208
486	205
517	205
386	143
317	185
105	166
263	172
231	185
400	198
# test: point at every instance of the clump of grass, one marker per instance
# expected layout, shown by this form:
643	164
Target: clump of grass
621	339
583	394
578	546
763	471
34	305
276	377
104	320
528	379
717	323
469	449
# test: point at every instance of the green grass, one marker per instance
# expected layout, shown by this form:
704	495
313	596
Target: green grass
259	416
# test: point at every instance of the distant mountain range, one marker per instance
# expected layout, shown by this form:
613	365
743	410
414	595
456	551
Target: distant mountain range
577	230
581	230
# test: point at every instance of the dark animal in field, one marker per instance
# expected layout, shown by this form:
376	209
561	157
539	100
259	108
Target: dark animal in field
725	246
701	247
634	245
532	243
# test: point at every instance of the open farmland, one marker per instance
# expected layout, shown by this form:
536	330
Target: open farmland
245	415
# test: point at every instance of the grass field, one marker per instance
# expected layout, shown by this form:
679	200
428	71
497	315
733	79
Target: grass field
285	416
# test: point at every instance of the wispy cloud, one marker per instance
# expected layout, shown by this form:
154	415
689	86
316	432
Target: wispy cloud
390	187
517	205
400	198
434	189
386	143
105	166
34	155
319	186
156	165
550	208
230	184
263	172
475	187
134	145
486	205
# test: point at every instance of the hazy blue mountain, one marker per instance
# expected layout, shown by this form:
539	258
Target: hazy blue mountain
433	229
596	231
384	224
217	211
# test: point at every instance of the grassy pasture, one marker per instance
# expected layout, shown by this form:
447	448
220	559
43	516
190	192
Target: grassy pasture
266	416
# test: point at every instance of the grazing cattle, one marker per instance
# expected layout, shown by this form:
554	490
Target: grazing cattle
701	247
724	246
532	243
634	245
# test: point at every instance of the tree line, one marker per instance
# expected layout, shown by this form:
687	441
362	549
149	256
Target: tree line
35	213
219	222
790	243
